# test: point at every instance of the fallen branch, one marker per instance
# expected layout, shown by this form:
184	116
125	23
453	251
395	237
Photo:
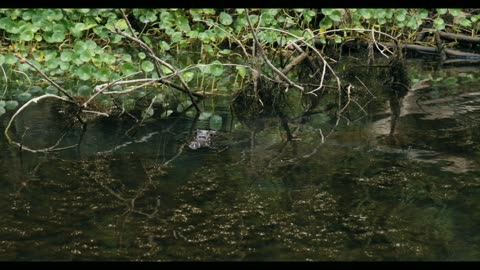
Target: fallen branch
156	59
425	49
33	100
23	60
262	54
292	64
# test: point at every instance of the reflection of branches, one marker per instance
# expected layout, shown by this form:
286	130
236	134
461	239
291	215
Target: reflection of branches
33	100
139	140
180	151
304	156
129	202
144	116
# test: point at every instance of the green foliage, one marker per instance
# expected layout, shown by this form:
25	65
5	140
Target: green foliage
81	43
215	122
11	105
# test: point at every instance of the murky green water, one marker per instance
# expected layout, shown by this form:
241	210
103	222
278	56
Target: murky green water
361	194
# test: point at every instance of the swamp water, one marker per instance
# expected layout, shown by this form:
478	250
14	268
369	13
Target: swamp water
355	193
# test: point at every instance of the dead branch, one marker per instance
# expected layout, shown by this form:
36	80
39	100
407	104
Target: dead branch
156	59
33	100
262	54
105	87
46	77
230	35
292	64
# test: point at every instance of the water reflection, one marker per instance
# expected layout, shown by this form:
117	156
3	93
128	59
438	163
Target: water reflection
278	188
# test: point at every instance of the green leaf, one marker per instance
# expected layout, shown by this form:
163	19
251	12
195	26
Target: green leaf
188	75
11	105
108	59
204	37
64	66
439	24
180	107
216	122
66	55
454	11
24	97
422	13
165	70
336	15
147	41
91	45
26	35
10	59
241	71
442	11
59	28
85	72
192	34
308	14
327	11
84	90
337	39
2	59
103	74
128	68
121	24
204	116
400	15
176	37
79	27
147	66
388	13
36	90
86	55
365	13
141	55
216	70
225	51
465	22
148	113
318	120
326	23
379	13
2	110
127	57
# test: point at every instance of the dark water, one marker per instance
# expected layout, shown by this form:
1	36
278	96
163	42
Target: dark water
350	192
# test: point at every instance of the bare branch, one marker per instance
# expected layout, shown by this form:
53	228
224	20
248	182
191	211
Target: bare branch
46	77
33	100
152	55
106	87
230	35
262	54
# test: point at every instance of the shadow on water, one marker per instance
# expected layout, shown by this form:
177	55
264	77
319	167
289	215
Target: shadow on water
401	184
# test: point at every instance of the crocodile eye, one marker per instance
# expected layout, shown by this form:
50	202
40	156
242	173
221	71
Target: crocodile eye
194	145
